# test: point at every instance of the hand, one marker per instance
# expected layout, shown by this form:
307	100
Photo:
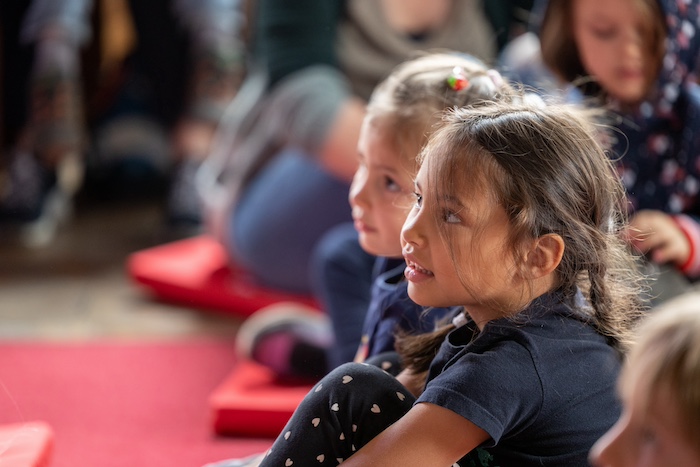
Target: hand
657	235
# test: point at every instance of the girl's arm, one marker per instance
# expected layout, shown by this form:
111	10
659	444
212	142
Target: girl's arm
428	435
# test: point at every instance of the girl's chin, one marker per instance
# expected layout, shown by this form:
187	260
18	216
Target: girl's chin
631	95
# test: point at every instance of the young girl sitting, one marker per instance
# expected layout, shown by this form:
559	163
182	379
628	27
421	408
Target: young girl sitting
517	219
639	58
402	111
660	423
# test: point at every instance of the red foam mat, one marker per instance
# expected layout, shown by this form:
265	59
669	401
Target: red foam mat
251	402
196	272
26	444
121	403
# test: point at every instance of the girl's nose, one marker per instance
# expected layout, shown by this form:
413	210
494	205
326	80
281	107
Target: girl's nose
357	193
633	45
410	232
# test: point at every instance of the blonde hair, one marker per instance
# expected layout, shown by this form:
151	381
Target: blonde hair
545	167
666	357
560	53
410	101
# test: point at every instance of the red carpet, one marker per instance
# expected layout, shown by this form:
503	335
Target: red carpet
121	404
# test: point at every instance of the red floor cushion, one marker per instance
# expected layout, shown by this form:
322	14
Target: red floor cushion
252	402
196	272
26	444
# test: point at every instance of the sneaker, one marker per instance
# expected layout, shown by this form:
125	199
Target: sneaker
36	201
289	338
27	184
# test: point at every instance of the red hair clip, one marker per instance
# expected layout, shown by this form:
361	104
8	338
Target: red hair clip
458	79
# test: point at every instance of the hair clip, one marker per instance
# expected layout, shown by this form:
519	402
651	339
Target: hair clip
458	79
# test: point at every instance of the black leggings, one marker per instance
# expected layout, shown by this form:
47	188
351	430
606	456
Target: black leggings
343	412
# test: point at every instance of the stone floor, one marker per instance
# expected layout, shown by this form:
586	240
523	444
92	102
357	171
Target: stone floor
75	288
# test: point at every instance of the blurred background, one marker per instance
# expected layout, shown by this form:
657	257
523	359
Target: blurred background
68	222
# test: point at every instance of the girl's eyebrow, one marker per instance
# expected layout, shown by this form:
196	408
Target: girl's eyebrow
445	198
452	200
385	167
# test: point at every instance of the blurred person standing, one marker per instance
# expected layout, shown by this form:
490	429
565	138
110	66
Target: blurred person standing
184	67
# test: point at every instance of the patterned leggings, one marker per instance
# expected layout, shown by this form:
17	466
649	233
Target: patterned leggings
343	412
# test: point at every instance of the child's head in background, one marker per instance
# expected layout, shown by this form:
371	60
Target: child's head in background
401	114
660	390
513	201
619	43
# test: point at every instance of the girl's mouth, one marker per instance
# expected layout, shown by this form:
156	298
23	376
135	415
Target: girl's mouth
416	273
361	227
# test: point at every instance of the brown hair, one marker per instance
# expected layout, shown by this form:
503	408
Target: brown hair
544	165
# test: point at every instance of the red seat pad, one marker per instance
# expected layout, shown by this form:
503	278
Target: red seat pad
252	402
26	444
197	272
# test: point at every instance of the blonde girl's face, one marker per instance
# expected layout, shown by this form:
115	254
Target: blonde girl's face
646	435
381	191
477	254
612	37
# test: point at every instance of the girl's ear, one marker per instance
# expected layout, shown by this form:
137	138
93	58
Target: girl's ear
544	256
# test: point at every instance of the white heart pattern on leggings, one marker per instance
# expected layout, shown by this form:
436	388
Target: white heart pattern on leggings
375	408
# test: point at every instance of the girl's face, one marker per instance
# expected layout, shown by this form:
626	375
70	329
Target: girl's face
381	191
647	434
477	254
613	37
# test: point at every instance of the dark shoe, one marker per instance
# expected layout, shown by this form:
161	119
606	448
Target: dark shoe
37	200
290	339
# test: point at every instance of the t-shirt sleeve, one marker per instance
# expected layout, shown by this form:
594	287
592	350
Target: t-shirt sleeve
499	389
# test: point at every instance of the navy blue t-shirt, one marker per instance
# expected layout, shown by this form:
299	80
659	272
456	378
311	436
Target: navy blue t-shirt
541	384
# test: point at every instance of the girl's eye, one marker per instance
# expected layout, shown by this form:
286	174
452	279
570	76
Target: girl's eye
391	185
451	218
606	33
419	199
